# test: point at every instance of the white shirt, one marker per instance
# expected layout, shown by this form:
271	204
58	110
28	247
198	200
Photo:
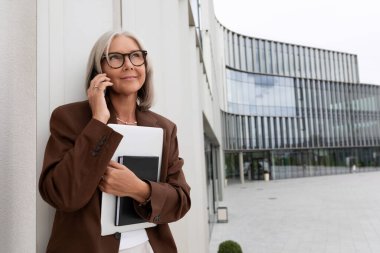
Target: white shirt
131	239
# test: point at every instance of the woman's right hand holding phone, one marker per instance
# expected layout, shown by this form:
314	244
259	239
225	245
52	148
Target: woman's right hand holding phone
95	95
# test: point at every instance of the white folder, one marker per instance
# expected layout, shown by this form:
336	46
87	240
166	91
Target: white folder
137	141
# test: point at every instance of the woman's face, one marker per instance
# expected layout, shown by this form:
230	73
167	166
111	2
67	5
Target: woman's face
127	79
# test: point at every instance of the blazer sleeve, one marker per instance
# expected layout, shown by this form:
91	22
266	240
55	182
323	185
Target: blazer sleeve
170	198
76	157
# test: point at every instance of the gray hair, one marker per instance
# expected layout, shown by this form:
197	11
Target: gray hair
94	67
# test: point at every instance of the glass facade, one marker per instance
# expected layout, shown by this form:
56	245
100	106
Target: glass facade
211	159
301	105
277	58
255	94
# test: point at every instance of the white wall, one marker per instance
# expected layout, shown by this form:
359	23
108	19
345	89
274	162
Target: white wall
67	30
215	53
171	45
42	66
17	125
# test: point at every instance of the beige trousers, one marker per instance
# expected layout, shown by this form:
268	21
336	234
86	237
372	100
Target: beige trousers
142	248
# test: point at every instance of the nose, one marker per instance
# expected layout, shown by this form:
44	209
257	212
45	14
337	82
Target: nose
127	63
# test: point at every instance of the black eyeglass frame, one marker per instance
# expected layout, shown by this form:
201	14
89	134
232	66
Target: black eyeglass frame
144	54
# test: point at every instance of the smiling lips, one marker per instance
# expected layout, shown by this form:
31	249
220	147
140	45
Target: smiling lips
129	77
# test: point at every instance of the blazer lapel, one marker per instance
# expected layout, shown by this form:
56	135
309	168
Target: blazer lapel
112	119
144	118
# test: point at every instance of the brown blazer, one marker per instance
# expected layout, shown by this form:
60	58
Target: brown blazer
76	156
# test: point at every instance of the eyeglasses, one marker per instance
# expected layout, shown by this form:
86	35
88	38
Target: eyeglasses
117	60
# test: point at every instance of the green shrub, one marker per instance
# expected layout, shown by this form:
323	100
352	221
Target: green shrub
229	247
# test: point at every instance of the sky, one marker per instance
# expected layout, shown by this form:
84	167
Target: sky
350	26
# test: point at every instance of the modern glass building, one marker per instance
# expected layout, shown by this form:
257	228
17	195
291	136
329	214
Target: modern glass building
296	111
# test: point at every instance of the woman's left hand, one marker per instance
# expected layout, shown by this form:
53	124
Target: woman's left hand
120	181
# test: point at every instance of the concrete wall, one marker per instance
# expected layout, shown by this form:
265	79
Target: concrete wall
44	55
66	32
171	44
17	125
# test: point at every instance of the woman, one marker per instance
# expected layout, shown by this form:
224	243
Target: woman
77	164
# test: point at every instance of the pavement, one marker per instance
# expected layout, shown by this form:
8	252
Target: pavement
327	214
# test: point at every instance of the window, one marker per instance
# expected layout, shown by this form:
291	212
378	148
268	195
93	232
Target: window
248	43
262	56
243	52
286	59
236	51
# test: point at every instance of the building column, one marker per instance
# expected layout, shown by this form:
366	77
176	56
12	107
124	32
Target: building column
272	166
241	167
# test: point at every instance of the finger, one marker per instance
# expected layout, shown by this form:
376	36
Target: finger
101	186
113	163
108	171
107	181
104	178
103	85
99	76
106	187
97	79
94	86
116	165
94	90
